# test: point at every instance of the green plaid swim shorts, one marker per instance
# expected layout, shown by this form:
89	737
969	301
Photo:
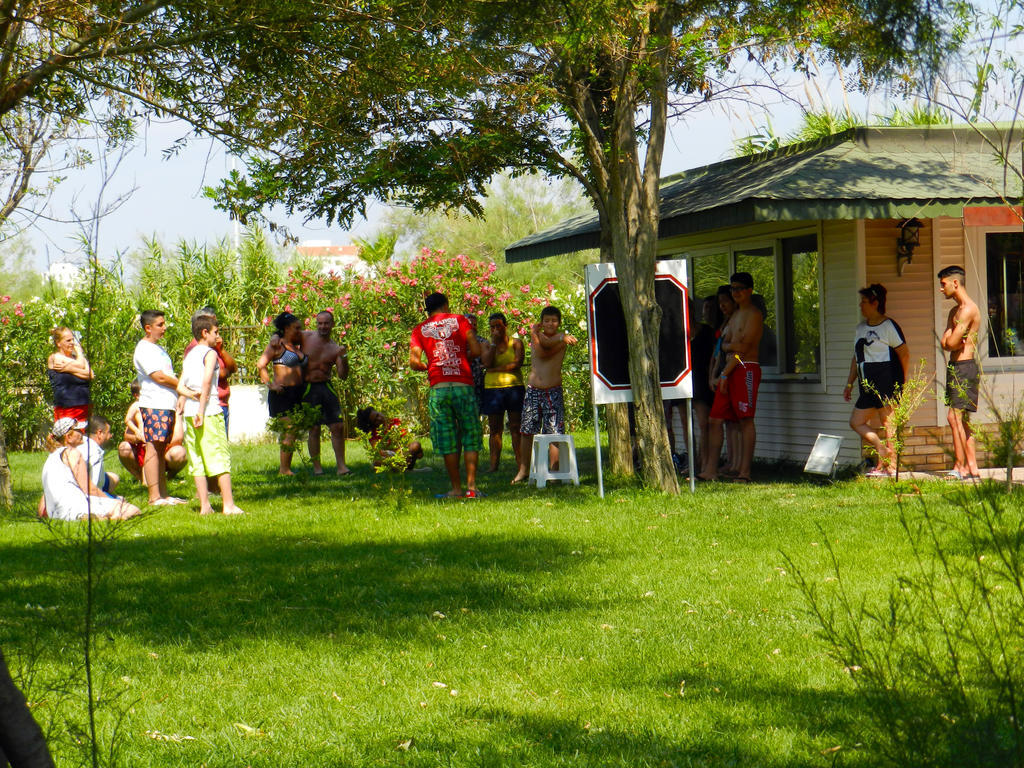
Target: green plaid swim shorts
454	419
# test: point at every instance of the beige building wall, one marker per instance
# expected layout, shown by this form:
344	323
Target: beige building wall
910	299
792	411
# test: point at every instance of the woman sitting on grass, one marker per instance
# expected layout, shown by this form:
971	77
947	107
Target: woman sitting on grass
68	493
386	437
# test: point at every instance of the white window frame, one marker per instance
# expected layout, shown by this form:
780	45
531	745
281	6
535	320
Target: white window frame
773	241
976	237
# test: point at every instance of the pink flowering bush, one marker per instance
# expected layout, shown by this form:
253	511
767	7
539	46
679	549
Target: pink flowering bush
374	314
104	312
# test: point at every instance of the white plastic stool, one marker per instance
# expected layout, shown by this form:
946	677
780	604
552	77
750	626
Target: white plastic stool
540	469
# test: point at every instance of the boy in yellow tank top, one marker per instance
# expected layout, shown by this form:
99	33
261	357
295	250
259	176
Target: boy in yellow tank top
503	387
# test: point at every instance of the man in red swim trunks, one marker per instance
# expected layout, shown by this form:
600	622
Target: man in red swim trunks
736	391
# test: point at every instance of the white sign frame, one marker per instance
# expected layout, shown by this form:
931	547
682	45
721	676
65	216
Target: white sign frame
597	275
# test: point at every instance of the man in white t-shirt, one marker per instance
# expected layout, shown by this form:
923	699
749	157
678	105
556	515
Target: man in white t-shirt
97	435
158	404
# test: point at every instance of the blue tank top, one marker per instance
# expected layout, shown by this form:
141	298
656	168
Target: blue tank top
68	389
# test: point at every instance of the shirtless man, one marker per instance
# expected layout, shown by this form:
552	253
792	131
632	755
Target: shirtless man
543	408
736	391
325	355
962	374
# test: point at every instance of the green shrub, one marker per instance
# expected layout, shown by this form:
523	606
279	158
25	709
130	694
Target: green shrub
375	315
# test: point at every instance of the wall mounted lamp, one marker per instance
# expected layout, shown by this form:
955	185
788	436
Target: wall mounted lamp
909	239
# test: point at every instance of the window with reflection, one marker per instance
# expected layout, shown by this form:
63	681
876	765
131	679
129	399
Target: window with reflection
709	272
803	304
1005	292
760	263
787	276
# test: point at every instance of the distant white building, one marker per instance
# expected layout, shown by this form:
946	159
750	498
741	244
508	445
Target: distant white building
64	274
334	258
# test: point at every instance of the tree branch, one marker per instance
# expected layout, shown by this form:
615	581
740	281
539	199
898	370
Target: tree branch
29	81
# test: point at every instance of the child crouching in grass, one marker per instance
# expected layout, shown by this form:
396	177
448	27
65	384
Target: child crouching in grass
206	437
386	437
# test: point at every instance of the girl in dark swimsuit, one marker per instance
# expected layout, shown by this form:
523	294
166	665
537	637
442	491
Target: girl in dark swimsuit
285	353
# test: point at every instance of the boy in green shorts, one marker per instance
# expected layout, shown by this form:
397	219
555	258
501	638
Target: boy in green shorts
206	438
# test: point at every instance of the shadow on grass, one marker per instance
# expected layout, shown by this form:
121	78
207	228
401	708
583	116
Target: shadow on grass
206	589
541	739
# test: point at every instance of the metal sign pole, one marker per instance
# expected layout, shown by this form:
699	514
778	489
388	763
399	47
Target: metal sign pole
689	442
597	454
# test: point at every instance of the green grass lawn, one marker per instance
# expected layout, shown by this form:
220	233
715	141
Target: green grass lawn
340	623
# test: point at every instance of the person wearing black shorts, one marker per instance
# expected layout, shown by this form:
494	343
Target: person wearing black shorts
879	365
963	376
504	389
284	356
326	356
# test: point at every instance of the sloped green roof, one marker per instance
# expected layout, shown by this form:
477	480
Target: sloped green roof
871	173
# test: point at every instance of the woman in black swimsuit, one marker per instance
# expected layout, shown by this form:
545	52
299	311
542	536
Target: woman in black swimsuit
285	353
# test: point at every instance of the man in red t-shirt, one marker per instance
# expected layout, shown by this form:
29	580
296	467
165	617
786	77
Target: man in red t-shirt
449	342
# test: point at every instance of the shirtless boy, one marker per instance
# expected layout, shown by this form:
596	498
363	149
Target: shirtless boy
543	408
736	390
132	449
962	374
325	356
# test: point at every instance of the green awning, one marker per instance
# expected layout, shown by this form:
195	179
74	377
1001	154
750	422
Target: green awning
862	173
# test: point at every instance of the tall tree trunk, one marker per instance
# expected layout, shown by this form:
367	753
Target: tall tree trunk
620	442
6	492
643	326
633	218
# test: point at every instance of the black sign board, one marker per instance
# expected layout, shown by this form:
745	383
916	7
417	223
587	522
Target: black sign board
609	347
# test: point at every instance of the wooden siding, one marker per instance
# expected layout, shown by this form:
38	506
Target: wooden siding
911	298
791	414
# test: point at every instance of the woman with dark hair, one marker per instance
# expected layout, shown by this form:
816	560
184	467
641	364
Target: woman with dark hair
880	362
70	375
286	384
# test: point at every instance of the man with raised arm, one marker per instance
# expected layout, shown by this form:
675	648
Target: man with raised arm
543	406
325	357
449	341
736	389
963	376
